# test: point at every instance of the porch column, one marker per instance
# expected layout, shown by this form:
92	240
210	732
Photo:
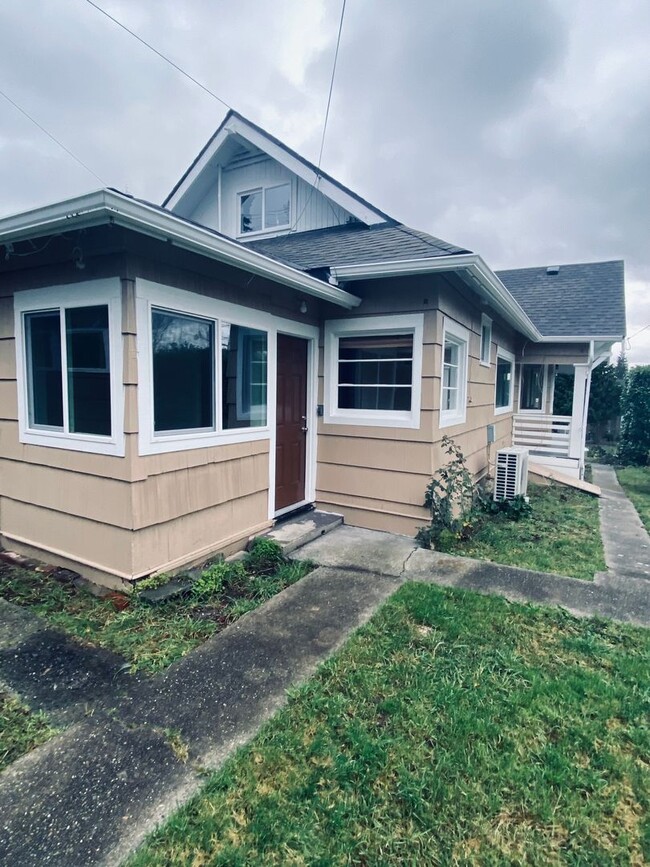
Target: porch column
578	435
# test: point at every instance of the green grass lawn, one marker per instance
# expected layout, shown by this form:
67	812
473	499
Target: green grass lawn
452	729
149	637
561	535
20	729
636	483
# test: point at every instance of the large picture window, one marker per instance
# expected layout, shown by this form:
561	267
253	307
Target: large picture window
183	372
373	370
453	391
504	381
265	208
190	379
69	366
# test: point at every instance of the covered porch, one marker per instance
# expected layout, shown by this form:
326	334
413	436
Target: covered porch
552	401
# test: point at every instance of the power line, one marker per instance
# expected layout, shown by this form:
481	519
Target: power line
54	139
329	96
159	54
322	141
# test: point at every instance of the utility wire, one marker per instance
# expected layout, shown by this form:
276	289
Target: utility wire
314	186
329	96
54	139
159	53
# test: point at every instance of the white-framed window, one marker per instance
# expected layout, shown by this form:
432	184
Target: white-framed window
373	370
453	385
486	340
504	381
264	208
203	370
69	366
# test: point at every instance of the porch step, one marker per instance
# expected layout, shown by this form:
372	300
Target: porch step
563	479
295	532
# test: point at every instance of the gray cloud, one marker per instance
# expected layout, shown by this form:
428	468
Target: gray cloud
519	130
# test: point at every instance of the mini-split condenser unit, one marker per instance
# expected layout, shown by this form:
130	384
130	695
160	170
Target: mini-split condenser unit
511	475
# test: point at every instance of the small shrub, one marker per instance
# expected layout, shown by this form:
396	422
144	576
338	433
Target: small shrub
218	577
265	557
450	499
515	509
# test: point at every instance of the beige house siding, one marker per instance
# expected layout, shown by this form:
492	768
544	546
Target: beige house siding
376	476
116	518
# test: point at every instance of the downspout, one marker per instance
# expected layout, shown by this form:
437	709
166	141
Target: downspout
219	197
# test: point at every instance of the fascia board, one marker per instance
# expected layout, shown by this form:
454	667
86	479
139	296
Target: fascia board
583	338
108	206
238	126
202	162
473	264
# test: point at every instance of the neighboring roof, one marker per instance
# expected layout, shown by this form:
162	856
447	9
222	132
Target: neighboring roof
353	243
581	300
238	124
113	207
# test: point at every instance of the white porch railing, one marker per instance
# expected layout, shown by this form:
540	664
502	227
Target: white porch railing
543	434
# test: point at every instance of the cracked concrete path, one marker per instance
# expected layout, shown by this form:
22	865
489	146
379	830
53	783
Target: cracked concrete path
352	548
625	539
92	794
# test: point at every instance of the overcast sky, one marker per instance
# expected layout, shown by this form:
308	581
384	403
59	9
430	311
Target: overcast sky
519	129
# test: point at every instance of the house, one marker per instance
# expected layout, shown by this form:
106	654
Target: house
174	378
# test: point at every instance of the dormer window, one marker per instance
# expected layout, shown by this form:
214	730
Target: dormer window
265	209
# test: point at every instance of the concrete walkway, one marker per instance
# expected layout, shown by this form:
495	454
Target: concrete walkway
90	795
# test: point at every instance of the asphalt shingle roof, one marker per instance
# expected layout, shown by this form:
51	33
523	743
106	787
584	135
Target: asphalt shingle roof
353	243
580	300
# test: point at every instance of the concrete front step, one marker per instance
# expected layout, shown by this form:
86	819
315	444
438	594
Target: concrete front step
294	532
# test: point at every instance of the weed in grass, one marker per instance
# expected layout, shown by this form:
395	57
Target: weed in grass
21	730
452	729
560	534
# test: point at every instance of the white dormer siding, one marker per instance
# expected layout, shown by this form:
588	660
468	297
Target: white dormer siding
309	208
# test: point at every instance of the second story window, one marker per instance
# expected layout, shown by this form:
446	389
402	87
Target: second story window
264	209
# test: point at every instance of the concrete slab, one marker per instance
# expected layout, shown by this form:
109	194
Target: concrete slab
54	673
292	533
17	624
625	539
89	796
354	548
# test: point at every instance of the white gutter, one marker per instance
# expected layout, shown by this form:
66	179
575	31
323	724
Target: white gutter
107	206
484	280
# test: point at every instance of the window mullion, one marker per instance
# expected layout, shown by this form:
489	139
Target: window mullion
64	370
218	378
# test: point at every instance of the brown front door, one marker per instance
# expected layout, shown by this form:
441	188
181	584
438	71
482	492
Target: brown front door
291	432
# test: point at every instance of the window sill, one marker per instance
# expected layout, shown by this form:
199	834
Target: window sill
75	443
451	420
373	419
485	363
502	410
209	439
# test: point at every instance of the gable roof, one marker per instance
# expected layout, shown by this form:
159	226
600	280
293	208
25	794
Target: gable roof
581	300
353	243
236	124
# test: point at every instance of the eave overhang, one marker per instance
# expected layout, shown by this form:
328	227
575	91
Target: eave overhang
111	207
469	266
